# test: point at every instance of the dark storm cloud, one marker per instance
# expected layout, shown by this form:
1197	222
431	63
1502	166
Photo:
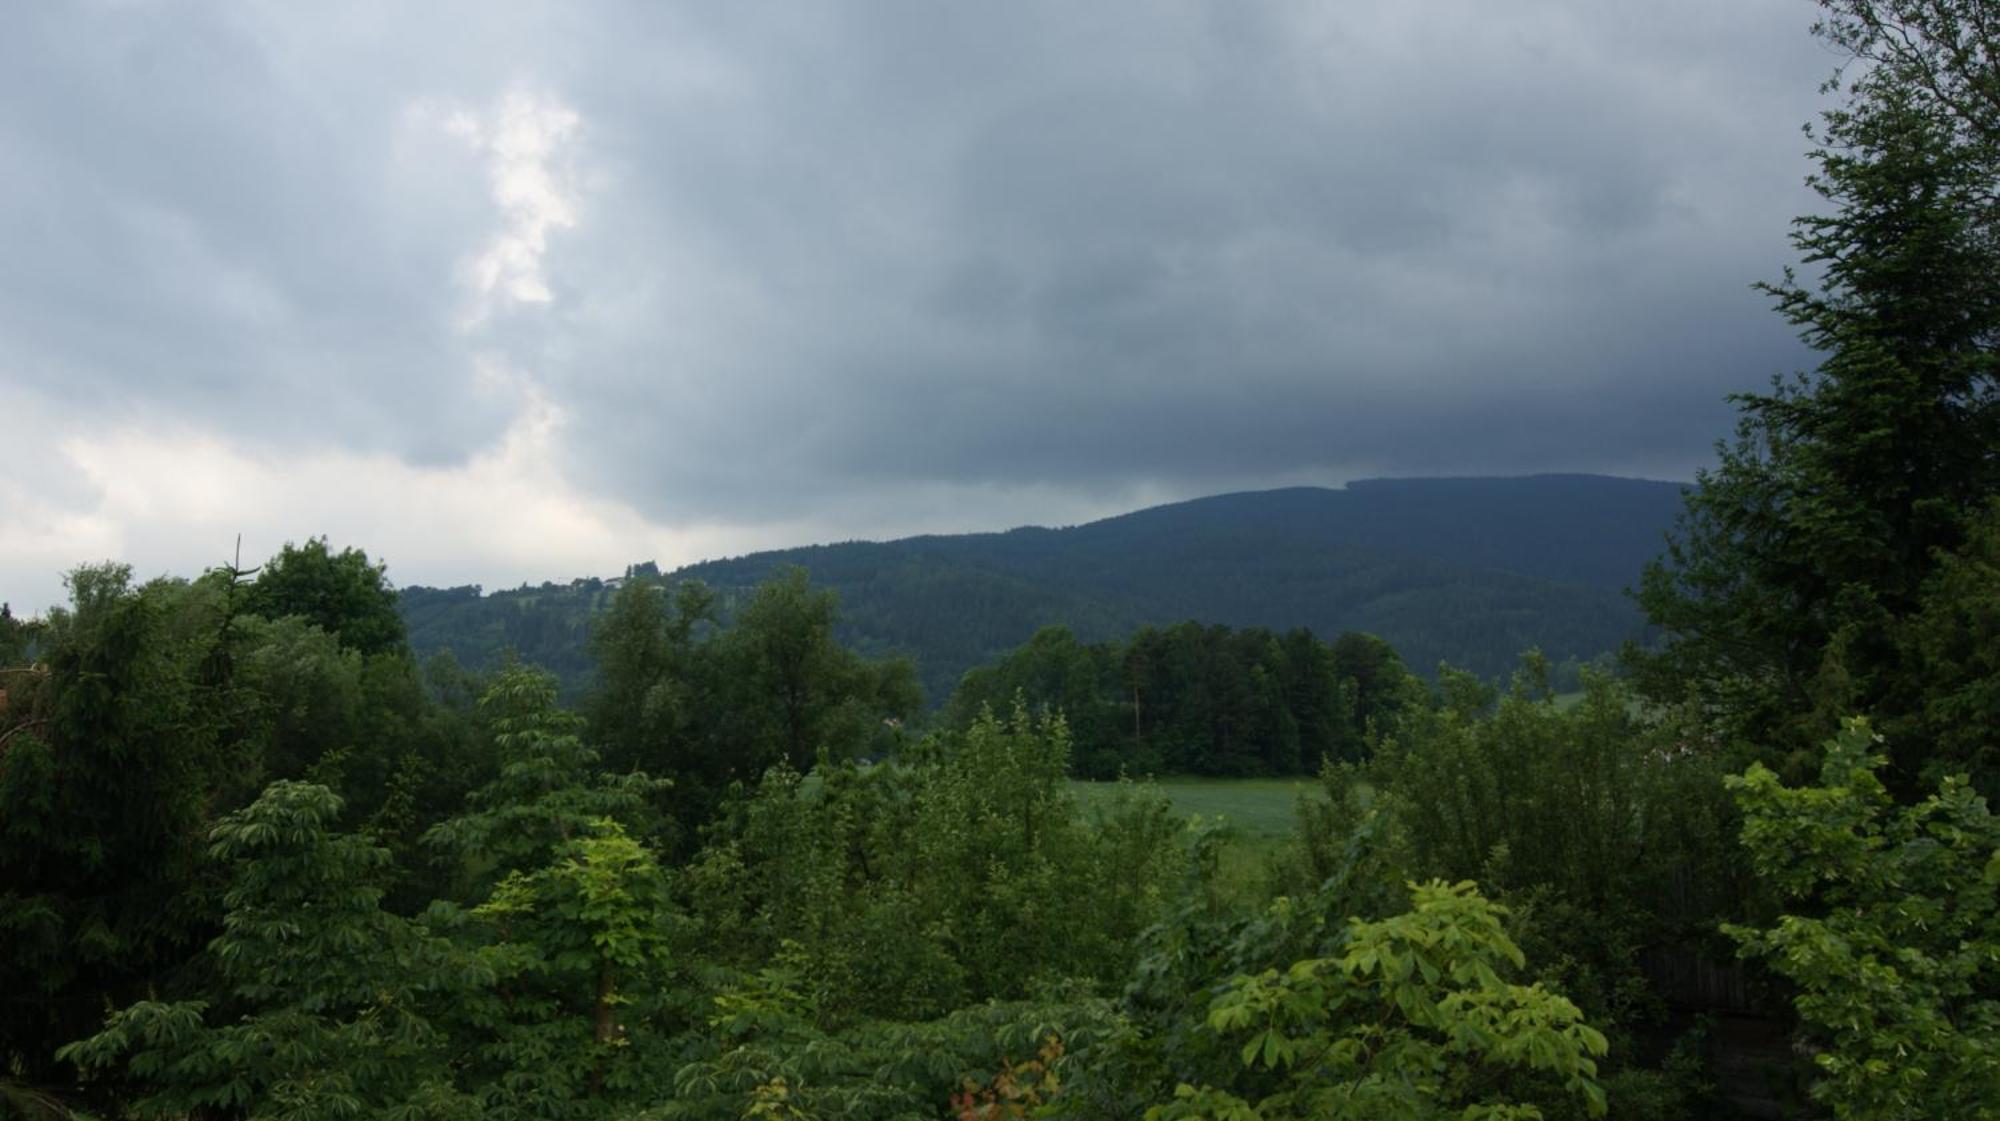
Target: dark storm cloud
827	251
1045	244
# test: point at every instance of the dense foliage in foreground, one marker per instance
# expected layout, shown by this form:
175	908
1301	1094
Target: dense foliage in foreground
480	916
371	894
485	918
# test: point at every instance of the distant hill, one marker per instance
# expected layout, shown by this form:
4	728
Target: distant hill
1470	571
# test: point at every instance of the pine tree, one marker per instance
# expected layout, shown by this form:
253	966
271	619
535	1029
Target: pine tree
1826	516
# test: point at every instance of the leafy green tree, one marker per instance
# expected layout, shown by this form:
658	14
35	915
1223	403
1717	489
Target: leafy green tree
15	636
548	790
579	951
789	690
1824	520
325	1004
548	831
787	631
947	877
1611	840
770	1058
323	1001
1940	54
1584	801
1206	934
687	691
1380	688
646	645
1413	1018
1895	943
367	727
665	696
1053	672
341	593
308	688
117	748
997	843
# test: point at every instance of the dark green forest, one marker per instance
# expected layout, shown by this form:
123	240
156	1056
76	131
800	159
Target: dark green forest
263	854
1195	700
1466	571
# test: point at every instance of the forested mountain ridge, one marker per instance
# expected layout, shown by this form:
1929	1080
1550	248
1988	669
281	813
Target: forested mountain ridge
1470	571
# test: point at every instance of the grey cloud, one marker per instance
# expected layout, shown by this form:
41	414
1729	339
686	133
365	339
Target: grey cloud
826	251
200	233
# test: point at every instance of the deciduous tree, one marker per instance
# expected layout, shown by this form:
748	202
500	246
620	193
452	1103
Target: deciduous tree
324	1004
1414	1018
342	593
1892	933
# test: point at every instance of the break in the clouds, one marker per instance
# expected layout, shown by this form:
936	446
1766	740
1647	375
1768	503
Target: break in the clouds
523	142
522	291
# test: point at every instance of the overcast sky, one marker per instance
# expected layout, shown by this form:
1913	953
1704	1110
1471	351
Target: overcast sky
507	292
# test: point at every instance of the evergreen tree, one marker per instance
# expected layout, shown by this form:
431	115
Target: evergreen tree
1950	650
792	690
14	638
1825	518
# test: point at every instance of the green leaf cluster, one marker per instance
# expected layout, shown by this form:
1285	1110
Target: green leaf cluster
1894	946
325	1005
1413	1019
947	878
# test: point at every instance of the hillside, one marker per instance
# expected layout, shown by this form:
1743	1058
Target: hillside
1469	571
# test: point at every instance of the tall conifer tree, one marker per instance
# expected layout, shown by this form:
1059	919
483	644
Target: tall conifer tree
1796	556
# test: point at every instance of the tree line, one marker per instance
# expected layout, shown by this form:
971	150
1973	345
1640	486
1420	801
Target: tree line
1200	700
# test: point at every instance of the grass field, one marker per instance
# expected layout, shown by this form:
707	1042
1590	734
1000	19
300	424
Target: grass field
1260	807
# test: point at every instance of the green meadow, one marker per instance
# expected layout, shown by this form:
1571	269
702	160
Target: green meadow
1260	807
